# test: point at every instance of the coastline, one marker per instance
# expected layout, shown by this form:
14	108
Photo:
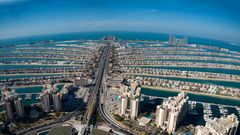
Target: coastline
41	65
178	66
159	59
37	74
199	78
191	92
29	86
53	58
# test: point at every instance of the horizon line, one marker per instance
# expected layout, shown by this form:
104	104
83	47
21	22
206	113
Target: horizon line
59	33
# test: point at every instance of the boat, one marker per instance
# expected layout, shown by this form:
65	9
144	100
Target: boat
38	96
28	96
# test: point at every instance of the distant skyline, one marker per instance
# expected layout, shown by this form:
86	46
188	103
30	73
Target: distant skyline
215	19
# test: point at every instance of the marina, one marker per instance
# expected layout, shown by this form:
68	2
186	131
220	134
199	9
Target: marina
162	71
209	109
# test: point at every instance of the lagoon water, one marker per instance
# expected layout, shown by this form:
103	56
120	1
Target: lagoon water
200	69
27	76
202	61
33	89
192	97
133	36
205	81
6	67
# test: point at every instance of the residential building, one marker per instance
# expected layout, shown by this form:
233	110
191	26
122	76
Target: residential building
219	126
12	104
50	98
171	112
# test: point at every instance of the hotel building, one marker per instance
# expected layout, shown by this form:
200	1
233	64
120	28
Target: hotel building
219	126
171	112
50	98
129	100
12	104
176	41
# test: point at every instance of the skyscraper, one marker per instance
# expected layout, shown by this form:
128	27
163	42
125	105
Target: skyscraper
45	102
56	102
124	103
130	99
171	112
161	115
12	104
134	104
177	41
50	98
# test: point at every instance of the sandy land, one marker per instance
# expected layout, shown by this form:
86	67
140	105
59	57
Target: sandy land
38	74
28	86
192	92
54	58
178	66
36	64
199	78
169	59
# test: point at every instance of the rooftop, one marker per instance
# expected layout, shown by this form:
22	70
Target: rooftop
61	130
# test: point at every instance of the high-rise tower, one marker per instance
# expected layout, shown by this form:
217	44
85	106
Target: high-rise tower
12	104
171	112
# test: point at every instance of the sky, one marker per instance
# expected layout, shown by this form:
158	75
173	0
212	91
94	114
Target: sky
216	19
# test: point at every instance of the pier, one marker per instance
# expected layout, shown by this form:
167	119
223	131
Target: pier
204	103
28	96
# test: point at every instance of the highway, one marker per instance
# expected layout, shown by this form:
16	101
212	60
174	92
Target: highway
90	115
92	102
49	125
112	122
93	106
97	106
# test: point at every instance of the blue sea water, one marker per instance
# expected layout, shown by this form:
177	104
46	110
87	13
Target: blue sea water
121	35
132	36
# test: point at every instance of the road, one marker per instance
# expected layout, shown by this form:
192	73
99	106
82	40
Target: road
95	103
91	113
112	122
49	125
93	107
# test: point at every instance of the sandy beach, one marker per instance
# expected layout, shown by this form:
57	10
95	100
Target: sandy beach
53	58
38	74
28	86
159	59
177	66
40	65
192	92
199	78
